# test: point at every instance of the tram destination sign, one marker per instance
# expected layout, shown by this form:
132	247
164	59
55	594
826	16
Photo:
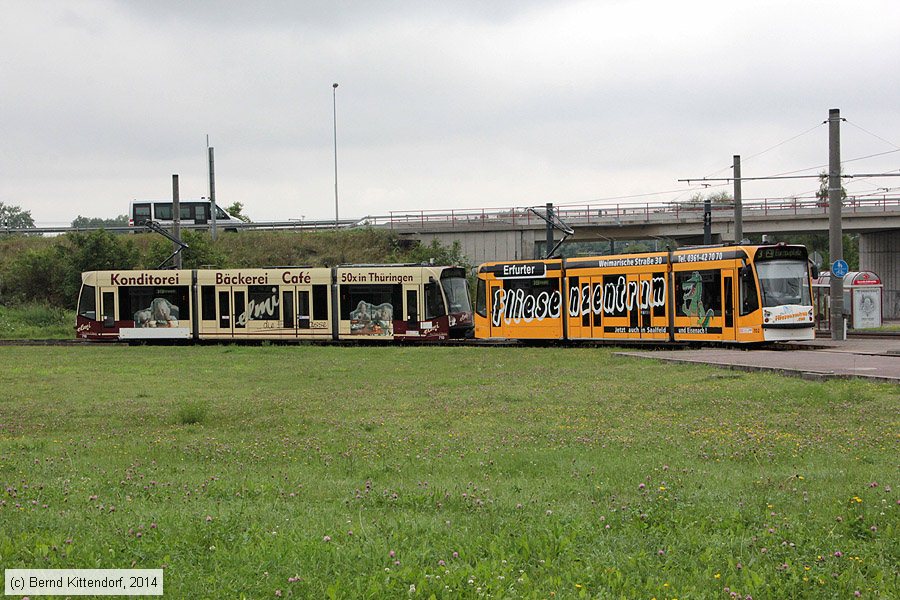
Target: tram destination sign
530	270
781	253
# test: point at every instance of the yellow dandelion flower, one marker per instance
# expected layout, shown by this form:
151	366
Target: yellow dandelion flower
718	575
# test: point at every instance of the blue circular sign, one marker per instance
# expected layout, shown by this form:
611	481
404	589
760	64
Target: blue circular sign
839	268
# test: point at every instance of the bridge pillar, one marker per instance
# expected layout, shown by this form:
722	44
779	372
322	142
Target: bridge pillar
880	252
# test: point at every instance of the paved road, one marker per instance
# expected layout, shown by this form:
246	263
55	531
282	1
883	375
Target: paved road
877	360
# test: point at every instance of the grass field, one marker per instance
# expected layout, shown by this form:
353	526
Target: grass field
36	321
384	472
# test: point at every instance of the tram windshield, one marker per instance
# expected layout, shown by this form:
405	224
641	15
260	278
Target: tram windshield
783	282
457	291
87	303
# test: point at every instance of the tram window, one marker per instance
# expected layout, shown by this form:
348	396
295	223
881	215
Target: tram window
163	211
240	315
263	303
695	288
154	306
377	295
208	302
87	302
224	313
729	302
412	305
456	289
749	297
320	302
783	282
185	210
597	315
287	301
532	286
481	298
541	287
302	310
615	299
109	305
572	293
434	302
659	288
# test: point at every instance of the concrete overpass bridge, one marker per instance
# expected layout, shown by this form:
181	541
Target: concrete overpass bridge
518	233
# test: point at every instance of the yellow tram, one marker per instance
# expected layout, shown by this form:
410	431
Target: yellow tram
730	294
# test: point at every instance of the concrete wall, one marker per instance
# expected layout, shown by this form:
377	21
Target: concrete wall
880	252
480	247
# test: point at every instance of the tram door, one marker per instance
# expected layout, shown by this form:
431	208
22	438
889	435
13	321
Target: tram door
305	311
593	320
232	308
411	311
583	308
637	312
230	311
653	319
226	323
621	313
495	290
572	307
296	310
728	303
107	314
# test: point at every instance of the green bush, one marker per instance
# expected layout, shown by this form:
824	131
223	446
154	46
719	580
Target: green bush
39	275
201	252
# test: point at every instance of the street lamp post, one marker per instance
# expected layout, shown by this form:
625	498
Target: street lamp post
334	107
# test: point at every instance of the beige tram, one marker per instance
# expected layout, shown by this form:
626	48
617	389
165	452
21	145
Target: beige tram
355	302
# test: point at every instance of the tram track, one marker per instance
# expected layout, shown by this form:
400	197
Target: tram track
48	342
857	335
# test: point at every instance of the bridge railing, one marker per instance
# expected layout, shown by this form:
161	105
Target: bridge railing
589	214
574	215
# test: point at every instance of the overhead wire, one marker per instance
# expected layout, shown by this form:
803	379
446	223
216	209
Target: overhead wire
752	156
704	186
874	135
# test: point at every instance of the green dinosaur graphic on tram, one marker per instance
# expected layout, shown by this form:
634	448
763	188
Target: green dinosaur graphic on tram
692	304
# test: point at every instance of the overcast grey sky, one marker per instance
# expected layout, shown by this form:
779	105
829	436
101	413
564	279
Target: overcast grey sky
441	105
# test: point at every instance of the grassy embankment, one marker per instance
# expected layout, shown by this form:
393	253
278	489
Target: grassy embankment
315	472
39	276
36	322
